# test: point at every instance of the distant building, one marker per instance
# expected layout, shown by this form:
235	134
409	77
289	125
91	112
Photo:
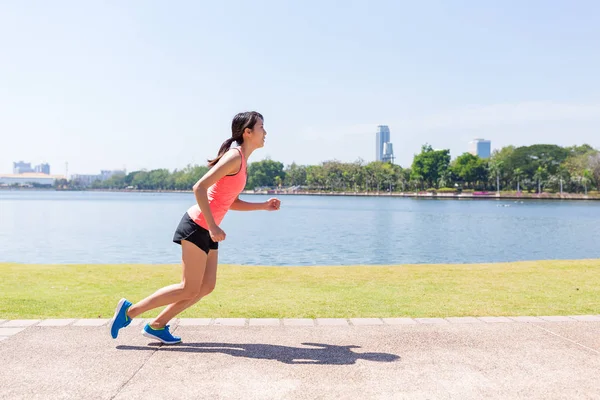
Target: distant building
43	169
88	180
383	147
21	167
481	148
84	180
28	179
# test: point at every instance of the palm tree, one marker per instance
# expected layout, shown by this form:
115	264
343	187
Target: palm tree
444	179
518	173
563	175
495	169
402	179
586	178
553	181
418	181
539	176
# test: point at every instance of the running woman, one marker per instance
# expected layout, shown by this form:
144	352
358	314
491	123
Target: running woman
199	233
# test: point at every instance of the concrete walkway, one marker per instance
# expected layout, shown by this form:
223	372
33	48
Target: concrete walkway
462	358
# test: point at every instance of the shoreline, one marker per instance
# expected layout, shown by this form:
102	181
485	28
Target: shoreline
433	195
483	264
426	195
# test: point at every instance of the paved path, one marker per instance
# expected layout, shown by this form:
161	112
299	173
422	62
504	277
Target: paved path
462	358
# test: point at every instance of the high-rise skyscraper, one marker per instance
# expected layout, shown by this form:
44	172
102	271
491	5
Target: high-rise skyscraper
480	148
383	147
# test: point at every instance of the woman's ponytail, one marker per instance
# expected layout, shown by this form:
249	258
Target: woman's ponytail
224	147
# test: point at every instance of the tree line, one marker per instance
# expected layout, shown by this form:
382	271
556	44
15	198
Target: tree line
535	168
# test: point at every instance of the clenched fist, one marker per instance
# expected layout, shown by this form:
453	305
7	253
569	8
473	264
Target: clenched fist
272	204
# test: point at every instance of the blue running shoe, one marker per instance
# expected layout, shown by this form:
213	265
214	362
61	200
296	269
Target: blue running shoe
162	335
120	319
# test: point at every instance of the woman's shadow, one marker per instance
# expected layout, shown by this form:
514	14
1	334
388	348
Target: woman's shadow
317	354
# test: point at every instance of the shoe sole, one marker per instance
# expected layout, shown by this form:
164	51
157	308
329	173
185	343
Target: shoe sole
114	318
151	336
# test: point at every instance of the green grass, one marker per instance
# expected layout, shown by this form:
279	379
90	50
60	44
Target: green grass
509	289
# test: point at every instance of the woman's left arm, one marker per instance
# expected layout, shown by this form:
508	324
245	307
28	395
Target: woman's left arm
272	204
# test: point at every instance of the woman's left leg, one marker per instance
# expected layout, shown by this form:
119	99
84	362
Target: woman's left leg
208	285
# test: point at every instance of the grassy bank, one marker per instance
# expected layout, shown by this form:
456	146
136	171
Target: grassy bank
509	289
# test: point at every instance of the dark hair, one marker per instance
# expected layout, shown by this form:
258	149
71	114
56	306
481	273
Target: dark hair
239	124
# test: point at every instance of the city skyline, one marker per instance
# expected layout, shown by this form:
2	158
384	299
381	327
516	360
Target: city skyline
24	168
20	167
154	91
473	146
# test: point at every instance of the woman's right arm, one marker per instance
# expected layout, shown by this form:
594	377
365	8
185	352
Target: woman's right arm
228	164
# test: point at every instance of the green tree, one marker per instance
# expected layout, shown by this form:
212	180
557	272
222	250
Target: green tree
380	175
502	157
263	173
430	164
190	175
295	175
390	175
416	181
355	174
333	174
141	180
584	149
403	178
530	158
468	169
315	177
160	179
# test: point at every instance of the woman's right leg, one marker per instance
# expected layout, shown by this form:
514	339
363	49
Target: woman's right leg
193	265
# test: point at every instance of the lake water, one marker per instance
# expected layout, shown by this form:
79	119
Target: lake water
96	227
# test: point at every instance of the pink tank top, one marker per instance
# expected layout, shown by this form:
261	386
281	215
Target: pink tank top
221	195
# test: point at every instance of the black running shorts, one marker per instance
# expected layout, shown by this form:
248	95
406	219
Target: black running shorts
192	232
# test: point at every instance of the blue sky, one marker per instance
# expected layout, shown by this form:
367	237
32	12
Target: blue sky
147	84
